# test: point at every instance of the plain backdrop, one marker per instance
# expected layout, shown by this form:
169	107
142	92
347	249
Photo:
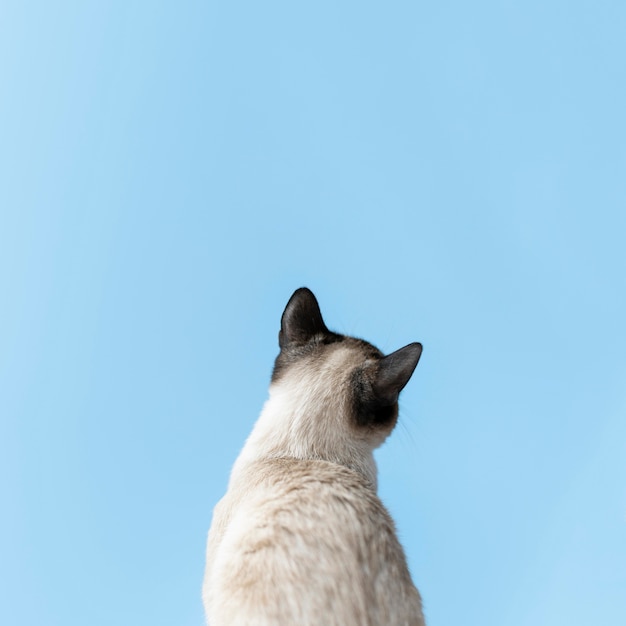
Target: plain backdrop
446	172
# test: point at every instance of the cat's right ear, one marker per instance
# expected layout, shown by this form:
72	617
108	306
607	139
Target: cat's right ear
394	371
301	320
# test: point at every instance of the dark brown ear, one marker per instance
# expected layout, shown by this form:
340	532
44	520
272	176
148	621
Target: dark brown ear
394	372
302	319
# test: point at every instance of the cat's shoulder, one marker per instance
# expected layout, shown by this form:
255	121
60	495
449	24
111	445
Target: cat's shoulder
305	474
302	489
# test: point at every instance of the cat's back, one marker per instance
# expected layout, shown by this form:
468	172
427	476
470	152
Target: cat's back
308	542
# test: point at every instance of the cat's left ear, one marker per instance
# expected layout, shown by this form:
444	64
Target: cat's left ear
301	320
394	372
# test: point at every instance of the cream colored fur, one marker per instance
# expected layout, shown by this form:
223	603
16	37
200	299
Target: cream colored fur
301	538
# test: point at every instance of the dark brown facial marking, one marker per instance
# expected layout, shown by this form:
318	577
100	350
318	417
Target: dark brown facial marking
370	409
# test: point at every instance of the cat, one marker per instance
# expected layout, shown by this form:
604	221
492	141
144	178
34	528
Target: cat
301	538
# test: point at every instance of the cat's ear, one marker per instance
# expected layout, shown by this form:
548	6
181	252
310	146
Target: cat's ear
394	372
302	319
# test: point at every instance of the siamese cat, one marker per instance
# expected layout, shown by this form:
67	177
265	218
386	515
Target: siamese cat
301	538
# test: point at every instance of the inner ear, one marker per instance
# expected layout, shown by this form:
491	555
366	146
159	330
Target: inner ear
302	319
394	372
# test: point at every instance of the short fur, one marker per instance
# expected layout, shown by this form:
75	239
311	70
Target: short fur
301	538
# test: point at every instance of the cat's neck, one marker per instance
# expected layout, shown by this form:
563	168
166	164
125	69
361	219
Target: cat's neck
286	429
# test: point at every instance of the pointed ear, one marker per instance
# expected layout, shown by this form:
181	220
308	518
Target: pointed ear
302	319
394	372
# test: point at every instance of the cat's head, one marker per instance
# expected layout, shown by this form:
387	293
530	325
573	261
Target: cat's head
337	388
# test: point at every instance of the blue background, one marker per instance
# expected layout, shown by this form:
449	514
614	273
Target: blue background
451	173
